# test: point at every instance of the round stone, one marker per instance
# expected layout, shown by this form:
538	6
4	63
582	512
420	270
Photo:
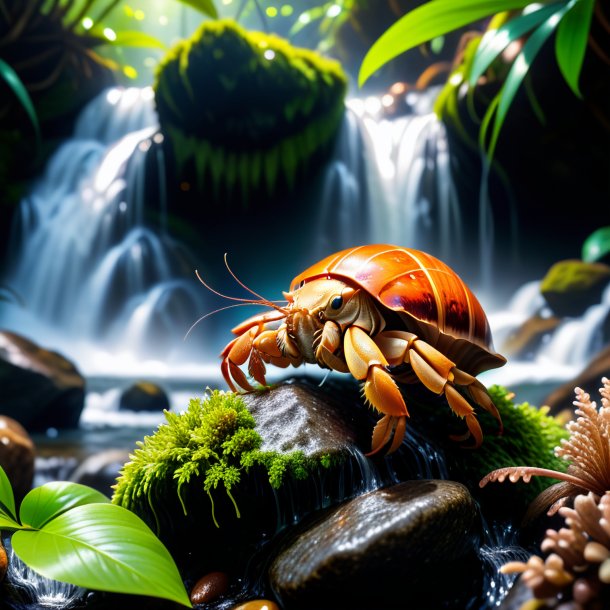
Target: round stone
209	587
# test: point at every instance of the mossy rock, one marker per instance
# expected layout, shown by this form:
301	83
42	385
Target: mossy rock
246	112
571	286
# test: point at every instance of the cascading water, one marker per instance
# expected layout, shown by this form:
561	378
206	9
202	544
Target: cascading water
84	258
91	259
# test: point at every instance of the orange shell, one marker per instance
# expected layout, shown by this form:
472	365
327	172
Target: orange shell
445	312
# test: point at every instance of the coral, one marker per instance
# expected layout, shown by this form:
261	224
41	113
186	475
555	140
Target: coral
576	572
246	108
587	451
209	445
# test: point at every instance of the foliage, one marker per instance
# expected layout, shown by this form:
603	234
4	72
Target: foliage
536	22
246	108
209	445
71	532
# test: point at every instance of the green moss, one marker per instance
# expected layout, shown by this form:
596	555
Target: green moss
211	444
530	437
243	109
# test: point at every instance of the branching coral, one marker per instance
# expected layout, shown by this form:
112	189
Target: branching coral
587	450
210	444
576	572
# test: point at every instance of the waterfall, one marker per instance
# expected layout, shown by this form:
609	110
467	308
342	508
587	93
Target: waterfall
389	180
95	266
83	256
563	352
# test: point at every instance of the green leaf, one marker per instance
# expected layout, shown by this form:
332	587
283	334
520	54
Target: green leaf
134	38
15	84
47	502
495	41
571	41
7	498
519	69
103	547
207	7
426	22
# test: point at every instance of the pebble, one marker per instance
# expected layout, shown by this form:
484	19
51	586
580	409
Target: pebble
209	587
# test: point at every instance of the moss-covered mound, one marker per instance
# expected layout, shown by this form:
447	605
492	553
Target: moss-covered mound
211	444
247	108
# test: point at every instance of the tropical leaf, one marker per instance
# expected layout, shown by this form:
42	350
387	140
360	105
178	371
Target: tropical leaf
103	547
15	84
428	21
131	38
47	502
495	41
520	68
207	7
571	41
7	498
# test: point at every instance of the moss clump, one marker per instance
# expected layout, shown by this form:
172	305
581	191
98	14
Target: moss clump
247	108
530	437
210	444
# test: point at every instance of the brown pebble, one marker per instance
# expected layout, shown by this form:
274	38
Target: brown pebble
209	587
258	604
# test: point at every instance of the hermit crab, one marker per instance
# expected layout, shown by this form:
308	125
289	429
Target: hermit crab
386	314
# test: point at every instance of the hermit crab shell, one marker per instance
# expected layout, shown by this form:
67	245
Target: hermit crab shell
431	299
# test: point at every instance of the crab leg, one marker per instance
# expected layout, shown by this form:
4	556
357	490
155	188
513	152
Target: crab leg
440	375
366	362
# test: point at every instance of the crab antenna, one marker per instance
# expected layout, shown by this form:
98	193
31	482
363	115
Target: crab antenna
240	282
211	313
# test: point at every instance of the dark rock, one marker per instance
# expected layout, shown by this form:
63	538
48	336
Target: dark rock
16	456
101	470
40	389
144	396
571	286
527	338
209	587
416	540
589	379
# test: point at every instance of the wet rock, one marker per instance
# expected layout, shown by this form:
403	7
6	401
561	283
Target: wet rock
16	456
257	604
39	388
571	286
144	396
589	379
209	587
526	339
101	470
416	540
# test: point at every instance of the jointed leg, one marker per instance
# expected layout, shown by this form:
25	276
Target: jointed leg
366	362
440	375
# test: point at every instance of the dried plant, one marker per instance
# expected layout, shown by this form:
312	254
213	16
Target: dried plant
587	450
576	572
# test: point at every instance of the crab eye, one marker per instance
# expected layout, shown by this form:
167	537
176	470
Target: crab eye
337	302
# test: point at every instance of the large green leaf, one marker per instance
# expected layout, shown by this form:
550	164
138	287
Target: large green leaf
495	41
426	22
11	78
50	500
207	7
103	547
520	68
7	497
571	41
